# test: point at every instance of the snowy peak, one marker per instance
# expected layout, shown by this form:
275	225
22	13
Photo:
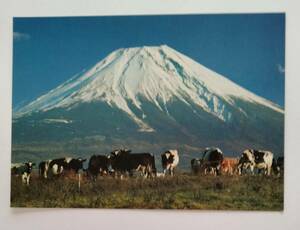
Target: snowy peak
156	74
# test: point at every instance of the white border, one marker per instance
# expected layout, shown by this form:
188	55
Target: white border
152	219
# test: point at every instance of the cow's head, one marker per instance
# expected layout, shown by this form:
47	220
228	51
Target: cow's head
78	163
248	156
167	158
29	165
195	162
114	153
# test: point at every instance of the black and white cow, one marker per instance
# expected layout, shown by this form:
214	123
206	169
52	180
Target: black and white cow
211	160
60	165
196	166
23	169
278	166
123	161
256	159
169	161
98	164
44	168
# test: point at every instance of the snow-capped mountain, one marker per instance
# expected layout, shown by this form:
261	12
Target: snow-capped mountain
153	90
157	74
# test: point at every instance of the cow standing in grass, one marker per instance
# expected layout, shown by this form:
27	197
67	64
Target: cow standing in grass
67	164
256	159
44	168
278	166
169	161
229	166
196	166
23	169
98	164
211	161
123	162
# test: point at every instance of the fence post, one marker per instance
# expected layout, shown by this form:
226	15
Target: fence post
79	180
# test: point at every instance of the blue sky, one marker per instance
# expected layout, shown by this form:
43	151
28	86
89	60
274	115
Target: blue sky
249	49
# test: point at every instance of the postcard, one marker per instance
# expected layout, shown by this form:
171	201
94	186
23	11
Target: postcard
149	112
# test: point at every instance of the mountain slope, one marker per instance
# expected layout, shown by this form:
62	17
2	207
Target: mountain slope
154	90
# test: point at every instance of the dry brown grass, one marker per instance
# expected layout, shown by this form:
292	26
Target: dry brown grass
182	191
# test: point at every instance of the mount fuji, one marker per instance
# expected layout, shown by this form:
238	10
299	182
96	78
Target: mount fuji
153	95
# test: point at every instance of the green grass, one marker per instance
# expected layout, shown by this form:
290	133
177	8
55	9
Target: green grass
183	191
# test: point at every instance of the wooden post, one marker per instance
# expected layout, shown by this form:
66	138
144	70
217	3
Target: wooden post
79	180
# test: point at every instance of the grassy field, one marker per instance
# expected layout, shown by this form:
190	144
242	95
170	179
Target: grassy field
182	191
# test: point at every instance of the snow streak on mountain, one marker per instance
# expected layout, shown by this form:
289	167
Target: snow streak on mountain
158	75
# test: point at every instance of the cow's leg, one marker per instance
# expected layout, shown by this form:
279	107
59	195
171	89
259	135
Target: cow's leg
116	175
252	169
121	176
143	171
61	169
28	179
240	169
172	171
94	177
165	171
231	171
205	171
169	170
269	171
148	171
45	171
278	171
45	174
217	170
139	169
24	178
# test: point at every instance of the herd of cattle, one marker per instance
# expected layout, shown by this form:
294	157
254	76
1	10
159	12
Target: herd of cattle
122	162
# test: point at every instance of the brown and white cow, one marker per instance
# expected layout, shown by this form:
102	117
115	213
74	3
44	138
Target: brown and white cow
256	159
169	160
229	166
